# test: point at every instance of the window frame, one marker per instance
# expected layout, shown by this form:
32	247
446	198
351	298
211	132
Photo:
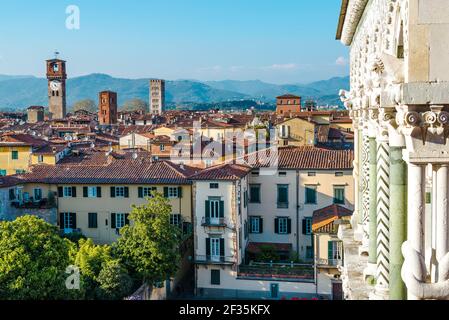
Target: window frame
175	219
314	188
339	201
67	192
281	221
171	194
259	196
283	205
89	192
120	194
14	155
252	224
122	223
214	186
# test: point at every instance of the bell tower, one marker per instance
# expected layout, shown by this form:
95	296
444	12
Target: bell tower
57	76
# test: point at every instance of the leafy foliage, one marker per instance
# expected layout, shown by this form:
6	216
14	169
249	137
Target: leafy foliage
114	281
150	245
135	105
33	260
86	105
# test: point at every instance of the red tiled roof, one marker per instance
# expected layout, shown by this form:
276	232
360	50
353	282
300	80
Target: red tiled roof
223	172
302	158
20	139
117	171
324	218
9	181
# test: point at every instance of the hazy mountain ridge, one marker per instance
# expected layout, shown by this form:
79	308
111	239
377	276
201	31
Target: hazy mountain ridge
19	92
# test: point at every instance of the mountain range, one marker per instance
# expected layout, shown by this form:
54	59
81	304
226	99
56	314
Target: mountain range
19	92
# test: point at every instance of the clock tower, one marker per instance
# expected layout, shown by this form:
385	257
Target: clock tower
57	76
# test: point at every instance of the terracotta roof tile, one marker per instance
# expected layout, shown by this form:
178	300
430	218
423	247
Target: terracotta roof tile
223	172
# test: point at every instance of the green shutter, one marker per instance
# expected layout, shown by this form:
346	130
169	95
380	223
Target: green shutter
330	251
113	225
98	192
289	226
221	209
74	225
208	247
260	225
61	220
180	192
112	192
126	192
60	192
165	192
304	226
207	209
73	192
85	192
276	225
222	248
140	192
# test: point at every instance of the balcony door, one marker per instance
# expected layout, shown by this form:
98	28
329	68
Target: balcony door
214	212
215	253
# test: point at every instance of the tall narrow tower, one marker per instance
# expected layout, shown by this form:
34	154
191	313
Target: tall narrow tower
107	114
157	96
57	76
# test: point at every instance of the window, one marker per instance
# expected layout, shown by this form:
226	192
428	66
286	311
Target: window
68	192
335	252
40	158
93	220
339	174
339	195
311	194
145	192
311	174
282	174
2	172
162	147
254	193
91	192
119	192
255	173
173	192
15	155
215	249
12	194
215	277
68	221
20	171
175	219
214	210
282	196
309	252
283	225
307	226
120	220
37	194
214	186
256	225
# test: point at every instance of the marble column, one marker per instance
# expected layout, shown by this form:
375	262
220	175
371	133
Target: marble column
372	222
365	195
398	220
383	218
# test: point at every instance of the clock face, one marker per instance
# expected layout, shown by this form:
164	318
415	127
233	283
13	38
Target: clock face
55	85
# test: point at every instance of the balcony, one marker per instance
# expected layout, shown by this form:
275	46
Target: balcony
31	204
214	260
325	263
277	272
214	222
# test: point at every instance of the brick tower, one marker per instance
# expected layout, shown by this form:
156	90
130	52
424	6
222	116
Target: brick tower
107	105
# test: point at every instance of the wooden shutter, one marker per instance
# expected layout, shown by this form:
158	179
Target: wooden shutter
330	251
261	225
112	192
140	192
12	194
179	192
289	226
276	225
222	248
207	209
127	219
60	192
304	226
85	192
73	192
221	209
98	192
165	192
113	225
126	192
61	220
208	247
73	216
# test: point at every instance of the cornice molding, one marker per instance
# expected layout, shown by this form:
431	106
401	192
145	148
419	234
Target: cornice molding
354	13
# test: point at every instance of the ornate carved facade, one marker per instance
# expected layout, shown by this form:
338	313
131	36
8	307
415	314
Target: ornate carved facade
399	100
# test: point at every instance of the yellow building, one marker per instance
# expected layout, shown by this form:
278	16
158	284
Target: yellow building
16	151
296	132
96	198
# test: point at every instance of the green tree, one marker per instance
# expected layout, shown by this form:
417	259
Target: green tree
150	245
33	261
114	281
135	105
86	105
267	254
90	258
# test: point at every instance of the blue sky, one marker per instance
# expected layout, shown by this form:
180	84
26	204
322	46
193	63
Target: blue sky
279	41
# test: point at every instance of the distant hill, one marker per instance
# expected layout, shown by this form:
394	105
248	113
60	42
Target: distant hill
19	92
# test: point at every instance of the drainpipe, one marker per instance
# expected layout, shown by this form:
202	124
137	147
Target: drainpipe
297	213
